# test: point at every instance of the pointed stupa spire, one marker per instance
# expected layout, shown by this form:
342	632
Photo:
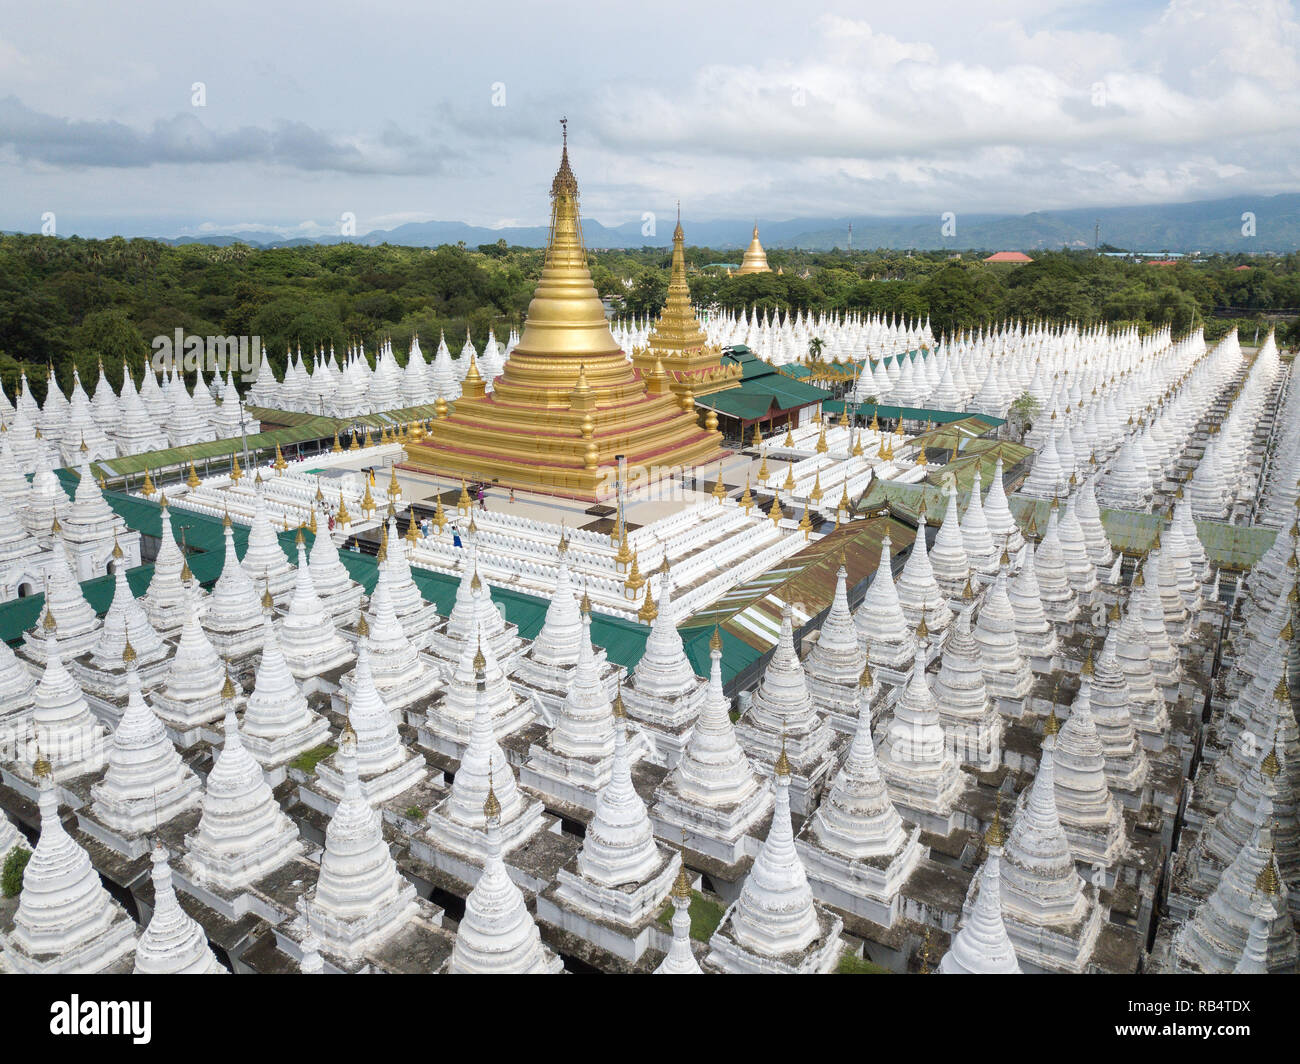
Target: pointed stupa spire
680	959
1041	886
243	834
880	620
856	818
918	590
774	914
66	921
1088	811
360	899
147	783
619	846
278	723
497	934
981	946
173	943
713	769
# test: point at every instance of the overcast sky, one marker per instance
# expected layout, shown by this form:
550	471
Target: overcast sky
385	109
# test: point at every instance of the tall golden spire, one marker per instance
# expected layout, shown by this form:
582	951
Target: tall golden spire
565	318
501	438
677	335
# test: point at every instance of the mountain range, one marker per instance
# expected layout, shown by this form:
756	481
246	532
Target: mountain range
1207	226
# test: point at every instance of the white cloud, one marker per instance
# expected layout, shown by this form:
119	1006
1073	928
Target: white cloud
923	107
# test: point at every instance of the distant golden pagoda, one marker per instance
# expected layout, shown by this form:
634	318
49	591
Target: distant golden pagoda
568	400
755	260
677	345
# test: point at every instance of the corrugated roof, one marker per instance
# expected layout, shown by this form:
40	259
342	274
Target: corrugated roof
313	428
959	434
751	612
1230	546
981	454
761	387
736	402
911	413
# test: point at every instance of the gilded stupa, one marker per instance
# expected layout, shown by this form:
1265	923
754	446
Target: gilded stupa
677	344
568	400
755	260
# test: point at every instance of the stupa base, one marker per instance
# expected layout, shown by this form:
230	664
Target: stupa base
617	920
868	888
729	957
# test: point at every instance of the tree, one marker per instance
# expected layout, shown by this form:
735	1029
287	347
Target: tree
647	294
112	336
15	866
1022	413
958	297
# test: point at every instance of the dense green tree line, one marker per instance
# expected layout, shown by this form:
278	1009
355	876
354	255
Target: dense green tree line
71	301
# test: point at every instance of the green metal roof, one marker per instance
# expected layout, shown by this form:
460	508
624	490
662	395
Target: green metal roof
296	418
967	431
295	427
1229	546
312	429
751	611
762	387
911	413
978	454
736	402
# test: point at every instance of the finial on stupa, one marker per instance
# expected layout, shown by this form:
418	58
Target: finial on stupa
782	767
995	837
491	806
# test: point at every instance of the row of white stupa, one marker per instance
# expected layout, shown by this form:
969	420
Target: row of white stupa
1029	903
112	425
479	705
171	415
360	899
63	924
713	793
355	388
666	699
37	516
1140	447
1282	463
1056	364
1237	882
779	340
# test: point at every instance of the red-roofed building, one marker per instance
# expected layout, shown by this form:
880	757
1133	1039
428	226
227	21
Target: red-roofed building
1238	269
1009	256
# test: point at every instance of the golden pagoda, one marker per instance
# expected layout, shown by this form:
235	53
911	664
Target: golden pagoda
677	345
755	260
567	401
